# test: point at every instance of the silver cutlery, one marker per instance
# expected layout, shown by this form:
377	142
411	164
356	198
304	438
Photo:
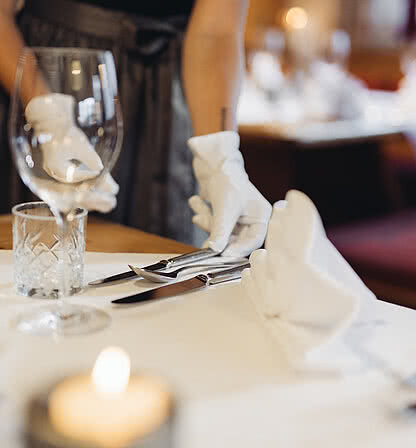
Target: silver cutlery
190	257
192	284
163	276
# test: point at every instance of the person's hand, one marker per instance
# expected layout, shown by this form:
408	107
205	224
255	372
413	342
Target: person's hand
67	154
102	197
61	141
229	207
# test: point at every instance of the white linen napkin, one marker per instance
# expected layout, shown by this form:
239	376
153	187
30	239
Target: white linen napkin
302	288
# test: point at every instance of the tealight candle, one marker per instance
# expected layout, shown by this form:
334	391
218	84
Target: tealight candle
109	408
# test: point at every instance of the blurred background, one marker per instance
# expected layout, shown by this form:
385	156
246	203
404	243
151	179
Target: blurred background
329	107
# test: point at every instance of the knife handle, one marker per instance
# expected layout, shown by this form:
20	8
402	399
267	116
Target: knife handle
226	275
190	257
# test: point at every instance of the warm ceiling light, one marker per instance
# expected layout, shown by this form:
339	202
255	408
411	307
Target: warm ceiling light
296	18
76	67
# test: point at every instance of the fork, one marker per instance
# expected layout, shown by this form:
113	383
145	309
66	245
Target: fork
162	276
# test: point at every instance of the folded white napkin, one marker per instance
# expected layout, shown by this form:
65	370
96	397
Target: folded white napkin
302	288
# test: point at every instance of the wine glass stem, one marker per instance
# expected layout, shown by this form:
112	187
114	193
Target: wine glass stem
64	266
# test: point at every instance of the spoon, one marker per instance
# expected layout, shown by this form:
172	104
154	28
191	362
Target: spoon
163	277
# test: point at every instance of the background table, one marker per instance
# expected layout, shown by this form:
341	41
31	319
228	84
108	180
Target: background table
104	236
347	179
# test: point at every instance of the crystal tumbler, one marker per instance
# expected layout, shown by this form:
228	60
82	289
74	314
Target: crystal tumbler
38	250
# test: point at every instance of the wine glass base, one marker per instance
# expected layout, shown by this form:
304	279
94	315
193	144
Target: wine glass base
60	319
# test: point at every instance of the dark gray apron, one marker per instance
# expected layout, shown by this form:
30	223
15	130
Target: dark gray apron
154	170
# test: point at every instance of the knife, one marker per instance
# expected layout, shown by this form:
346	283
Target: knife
189	257
192	284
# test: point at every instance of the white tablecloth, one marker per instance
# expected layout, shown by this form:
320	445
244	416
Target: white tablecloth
232	387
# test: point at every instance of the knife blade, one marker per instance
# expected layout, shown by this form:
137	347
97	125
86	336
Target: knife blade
183	259
192	284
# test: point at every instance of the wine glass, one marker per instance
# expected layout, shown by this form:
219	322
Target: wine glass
85	80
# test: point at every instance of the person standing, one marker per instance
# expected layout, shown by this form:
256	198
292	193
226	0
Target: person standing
155	167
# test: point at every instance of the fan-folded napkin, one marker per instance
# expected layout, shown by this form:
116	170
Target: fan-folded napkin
304	291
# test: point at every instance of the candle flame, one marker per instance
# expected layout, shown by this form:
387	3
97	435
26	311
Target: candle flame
296	18
111	371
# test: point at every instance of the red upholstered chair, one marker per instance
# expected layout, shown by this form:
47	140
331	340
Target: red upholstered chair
383	252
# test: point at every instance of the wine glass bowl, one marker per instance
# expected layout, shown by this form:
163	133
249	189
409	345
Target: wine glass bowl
89	78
